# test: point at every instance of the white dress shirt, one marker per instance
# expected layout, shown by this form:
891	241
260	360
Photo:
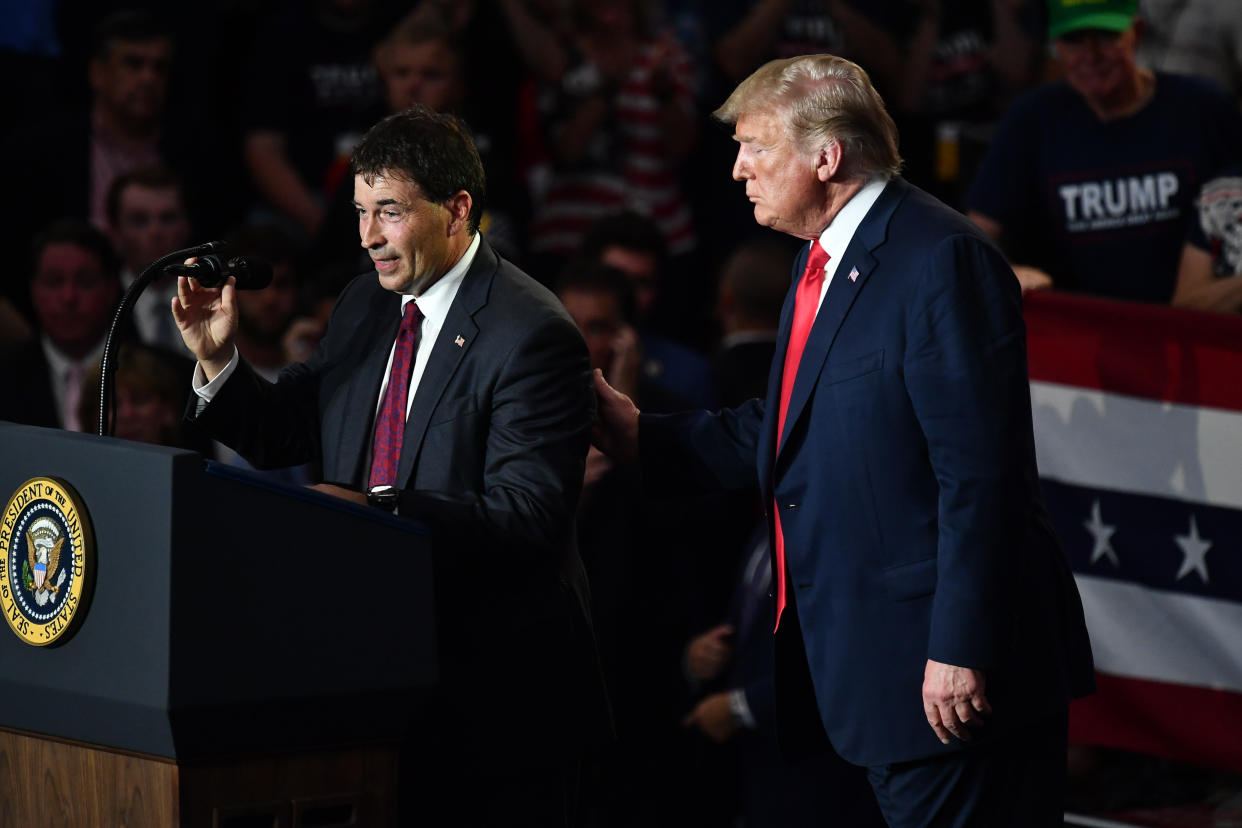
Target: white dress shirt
67	378
840	231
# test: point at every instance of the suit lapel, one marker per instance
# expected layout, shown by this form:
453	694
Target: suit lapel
457	335
851	275
362	392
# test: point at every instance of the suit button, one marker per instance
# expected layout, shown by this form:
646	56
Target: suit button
791	505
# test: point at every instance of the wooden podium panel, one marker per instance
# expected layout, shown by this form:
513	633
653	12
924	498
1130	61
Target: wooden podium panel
50	783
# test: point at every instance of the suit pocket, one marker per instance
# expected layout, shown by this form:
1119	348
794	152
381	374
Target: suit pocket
908	581
454	409
851	368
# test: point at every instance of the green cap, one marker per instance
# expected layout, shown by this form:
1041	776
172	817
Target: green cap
1074	15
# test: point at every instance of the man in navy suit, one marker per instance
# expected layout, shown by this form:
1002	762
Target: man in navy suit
927	622
490	418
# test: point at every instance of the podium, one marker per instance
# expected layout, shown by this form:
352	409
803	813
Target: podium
251	654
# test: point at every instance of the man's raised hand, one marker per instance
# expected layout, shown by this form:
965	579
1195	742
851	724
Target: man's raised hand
207	318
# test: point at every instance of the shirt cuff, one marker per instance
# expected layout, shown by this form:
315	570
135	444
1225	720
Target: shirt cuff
740	708
206	390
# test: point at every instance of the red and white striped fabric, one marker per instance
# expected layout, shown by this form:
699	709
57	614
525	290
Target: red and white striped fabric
643	177
1138	430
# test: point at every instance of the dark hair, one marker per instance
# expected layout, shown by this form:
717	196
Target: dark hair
126	26
627	229
431	149
80	234
585	276
153	177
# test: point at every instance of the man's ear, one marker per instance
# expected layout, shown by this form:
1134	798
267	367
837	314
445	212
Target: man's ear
458	205
828	161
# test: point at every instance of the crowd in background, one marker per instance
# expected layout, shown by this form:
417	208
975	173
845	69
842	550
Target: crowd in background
136	129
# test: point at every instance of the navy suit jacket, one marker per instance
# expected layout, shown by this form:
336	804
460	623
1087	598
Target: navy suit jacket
908	489
492	461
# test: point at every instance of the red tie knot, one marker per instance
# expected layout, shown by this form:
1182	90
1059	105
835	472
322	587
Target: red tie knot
815	261
410	316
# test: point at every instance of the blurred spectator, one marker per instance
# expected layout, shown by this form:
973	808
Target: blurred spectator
146	220
1092	179
265	317
270	332
618	124
1210	275
150	398
734	662
309	90
748	33
753	284
125	128
949	70
418	63
633	781
598	298
75	288
634	245
1195	37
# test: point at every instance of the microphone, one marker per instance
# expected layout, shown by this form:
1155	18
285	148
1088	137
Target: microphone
213	271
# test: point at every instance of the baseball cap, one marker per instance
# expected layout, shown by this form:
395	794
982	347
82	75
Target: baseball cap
1074	15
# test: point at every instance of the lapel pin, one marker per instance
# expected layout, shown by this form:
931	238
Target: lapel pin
459	341
853	274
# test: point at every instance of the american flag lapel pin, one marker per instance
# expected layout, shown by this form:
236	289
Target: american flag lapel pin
853	274
459	341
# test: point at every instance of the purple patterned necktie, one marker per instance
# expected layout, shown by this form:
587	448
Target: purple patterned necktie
390	423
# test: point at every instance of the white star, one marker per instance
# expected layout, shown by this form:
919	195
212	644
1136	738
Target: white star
1102	534
1195	549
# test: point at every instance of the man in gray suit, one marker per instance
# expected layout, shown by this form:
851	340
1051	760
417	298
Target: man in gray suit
451	388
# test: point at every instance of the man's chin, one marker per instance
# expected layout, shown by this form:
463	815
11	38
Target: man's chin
398	282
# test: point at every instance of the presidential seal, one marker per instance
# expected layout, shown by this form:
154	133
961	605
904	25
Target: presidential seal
48	553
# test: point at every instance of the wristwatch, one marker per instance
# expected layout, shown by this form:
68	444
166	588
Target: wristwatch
384	497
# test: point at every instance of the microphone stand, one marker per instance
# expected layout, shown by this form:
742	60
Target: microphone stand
107	365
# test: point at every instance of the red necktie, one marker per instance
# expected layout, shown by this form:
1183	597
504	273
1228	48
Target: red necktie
390	423
806	303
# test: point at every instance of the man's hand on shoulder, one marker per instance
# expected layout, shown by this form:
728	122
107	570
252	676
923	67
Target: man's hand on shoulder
616	426
954	700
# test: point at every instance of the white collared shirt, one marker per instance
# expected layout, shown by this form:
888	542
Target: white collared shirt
152	318
65	371
840	231
434	304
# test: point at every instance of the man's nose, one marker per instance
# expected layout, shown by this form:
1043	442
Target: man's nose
741	169
371	236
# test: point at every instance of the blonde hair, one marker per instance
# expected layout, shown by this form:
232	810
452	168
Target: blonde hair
822	98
